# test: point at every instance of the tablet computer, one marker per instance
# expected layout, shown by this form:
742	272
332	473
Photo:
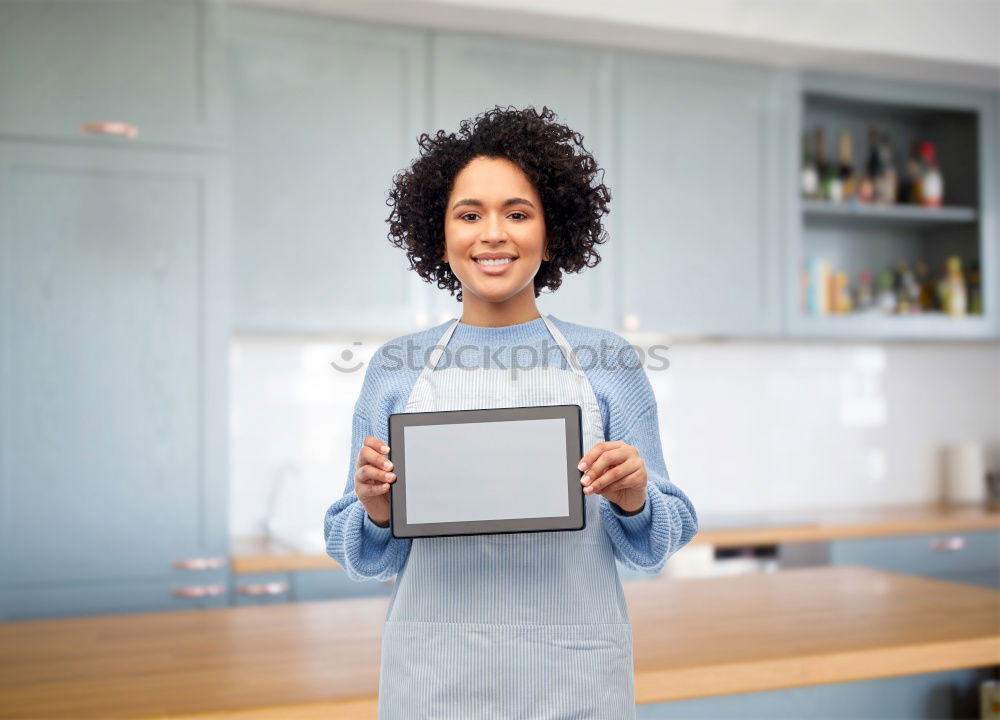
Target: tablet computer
475	472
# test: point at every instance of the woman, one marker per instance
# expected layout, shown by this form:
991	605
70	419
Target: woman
521	625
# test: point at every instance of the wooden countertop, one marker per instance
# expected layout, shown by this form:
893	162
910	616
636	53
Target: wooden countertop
259	555
263	555
692	638
835	524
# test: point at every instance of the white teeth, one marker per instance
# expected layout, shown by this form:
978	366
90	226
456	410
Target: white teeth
497	261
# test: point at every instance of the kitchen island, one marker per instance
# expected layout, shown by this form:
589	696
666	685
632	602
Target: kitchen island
694	640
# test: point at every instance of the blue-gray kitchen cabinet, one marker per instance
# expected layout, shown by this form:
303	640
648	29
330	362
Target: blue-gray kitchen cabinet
697	168
969	557
301	586
113	270
155	65
324	112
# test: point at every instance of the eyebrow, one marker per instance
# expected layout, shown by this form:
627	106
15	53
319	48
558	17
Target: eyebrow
479	203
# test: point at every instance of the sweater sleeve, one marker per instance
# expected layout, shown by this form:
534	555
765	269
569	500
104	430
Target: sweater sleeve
365	550
667	521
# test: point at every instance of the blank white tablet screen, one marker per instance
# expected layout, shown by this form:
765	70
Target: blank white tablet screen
486	471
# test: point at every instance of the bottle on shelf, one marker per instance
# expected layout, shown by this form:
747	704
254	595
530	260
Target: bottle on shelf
818	286
931	180
909	183
865	298
908	291
951	288
809	181
845	166
873	169
886	300
841	293
886	186
928	297
829	182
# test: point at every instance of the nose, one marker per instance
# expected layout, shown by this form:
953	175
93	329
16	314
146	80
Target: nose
493	230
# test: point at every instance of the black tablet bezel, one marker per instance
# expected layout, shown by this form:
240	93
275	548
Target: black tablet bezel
576	520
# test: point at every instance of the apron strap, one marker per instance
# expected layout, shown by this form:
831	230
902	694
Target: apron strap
560	339
438	350
568	351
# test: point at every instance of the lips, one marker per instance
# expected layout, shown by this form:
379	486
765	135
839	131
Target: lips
497	265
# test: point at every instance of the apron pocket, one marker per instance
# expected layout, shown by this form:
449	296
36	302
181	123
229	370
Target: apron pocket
475	670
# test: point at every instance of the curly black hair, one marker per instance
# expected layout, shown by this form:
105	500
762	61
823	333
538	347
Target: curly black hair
572	201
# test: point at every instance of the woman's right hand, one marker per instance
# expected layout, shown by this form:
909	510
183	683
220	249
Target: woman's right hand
372	480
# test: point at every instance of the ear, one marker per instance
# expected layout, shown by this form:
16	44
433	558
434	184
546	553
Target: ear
545	252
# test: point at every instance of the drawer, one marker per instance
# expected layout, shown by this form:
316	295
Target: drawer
310	585
261	589
935	555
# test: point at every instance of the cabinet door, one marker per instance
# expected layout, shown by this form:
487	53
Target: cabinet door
155	65
113	274
472	73
313	585
695	196
957	557
324	113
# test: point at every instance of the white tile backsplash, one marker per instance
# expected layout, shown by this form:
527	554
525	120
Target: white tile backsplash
747	427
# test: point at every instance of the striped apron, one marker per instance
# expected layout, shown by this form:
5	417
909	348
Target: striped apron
511	626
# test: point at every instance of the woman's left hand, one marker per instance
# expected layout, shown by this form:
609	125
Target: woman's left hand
615	470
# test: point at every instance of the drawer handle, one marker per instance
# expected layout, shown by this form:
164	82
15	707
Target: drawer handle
199	563
952	544
197	591
269	588
110	128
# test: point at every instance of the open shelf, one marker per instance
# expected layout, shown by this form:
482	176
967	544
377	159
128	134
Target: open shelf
821	209
854	237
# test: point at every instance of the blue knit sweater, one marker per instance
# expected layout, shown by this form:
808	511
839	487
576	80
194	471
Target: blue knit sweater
642	541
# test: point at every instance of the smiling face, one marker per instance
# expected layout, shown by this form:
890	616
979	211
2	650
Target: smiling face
494	212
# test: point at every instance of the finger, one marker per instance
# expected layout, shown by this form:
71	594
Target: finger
368	456
618	478
370	491
595	452
371	475
606	460
630	465
375	444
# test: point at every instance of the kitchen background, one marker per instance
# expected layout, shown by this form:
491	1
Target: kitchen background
192	230
192	217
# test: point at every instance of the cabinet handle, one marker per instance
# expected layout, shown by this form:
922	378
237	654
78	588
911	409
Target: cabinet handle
952	544
269	588
199	563
107	127
196	591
